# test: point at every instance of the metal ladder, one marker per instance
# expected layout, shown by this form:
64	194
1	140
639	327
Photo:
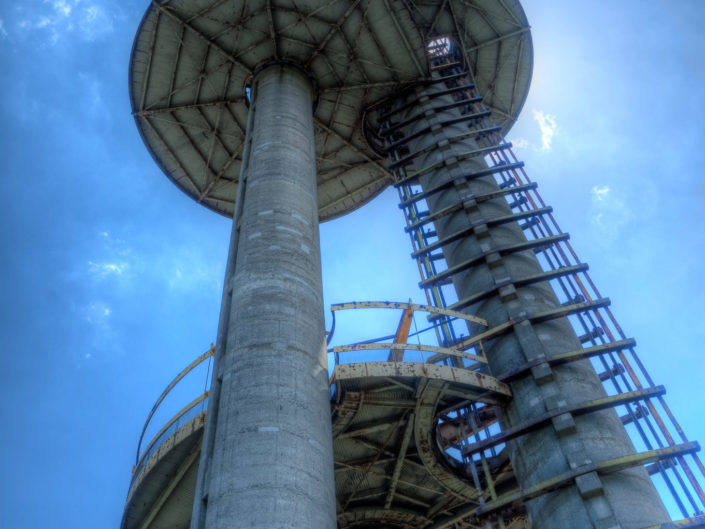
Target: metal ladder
649	420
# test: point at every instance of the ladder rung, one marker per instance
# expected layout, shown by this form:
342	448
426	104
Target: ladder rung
477	198
527	245
394	126
522	282
415	101
450	183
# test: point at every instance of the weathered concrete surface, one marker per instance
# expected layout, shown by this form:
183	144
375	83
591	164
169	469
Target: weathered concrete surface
628	499
272	458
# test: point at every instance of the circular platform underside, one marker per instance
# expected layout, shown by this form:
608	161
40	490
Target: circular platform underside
390	471
191	60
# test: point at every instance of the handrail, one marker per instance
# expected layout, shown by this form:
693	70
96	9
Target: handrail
412	306
407	346
181	375
175	418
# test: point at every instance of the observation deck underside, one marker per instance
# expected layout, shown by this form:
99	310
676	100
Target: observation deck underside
389	463
192	62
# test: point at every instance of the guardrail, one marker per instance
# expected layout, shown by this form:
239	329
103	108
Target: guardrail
399	344
194	408
463	362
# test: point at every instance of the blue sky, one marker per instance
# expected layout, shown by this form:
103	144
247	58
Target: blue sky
111	277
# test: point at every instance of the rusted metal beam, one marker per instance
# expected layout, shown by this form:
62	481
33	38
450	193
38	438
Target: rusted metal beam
361	86
401	336
392	403
400	461
443	351
477	381
378	426
162	110
395	426
386	452
414	306
359	464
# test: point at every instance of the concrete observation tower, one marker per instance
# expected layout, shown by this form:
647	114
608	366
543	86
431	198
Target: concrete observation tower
531	410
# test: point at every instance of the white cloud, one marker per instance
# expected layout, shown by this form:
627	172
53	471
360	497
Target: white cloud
92	91
3	33
609	213
97	313
106	269
60	6
88	18
600	193
95	22
180	268
44	22
187	269
548	126
520	143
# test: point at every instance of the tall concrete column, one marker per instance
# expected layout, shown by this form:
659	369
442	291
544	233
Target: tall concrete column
271	460
627	499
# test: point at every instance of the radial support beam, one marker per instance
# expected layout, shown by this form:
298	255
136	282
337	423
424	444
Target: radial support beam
400	461
171	13
272	454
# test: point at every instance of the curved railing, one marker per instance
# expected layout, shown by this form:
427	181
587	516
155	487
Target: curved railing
193	409
471	434
386	355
